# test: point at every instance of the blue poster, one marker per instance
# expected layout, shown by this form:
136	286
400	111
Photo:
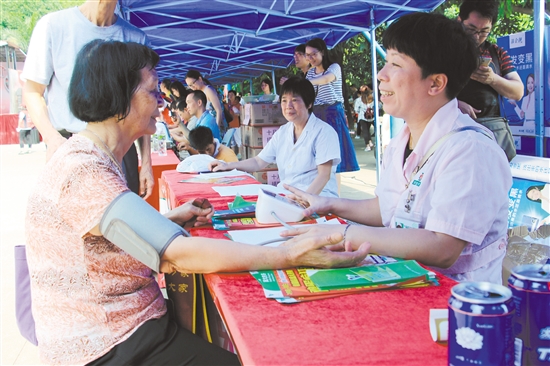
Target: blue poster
521	113
528	204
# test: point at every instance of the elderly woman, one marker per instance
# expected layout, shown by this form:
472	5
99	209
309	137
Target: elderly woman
300	147
442	198
88	237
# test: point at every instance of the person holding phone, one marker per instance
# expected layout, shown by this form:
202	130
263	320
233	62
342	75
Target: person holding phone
480	97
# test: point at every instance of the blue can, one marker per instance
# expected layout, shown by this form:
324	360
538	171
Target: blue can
530	285
480	324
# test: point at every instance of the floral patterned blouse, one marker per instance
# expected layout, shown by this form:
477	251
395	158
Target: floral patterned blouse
88	295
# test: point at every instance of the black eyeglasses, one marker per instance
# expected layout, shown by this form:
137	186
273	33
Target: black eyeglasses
475	32
312	55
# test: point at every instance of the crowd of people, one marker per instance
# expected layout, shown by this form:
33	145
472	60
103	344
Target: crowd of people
94	303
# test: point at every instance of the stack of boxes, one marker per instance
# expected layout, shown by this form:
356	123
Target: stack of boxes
259	123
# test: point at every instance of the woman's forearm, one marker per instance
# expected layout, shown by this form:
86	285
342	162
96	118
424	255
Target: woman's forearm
430	248
205	255
323	176
323	79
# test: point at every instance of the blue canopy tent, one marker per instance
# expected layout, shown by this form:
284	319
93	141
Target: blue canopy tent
229	41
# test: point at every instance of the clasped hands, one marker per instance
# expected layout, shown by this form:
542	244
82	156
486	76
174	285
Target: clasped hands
333	234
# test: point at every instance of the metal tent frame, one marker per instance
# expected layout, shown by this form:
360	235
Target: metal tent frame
230	41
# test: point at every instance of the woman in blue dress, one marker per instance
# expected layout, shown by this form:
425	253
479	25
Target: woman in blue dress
326	78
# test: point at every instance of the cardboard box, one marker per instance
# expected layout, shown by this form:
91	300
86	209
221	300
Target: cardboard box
262	114
270	177
257	137
251	152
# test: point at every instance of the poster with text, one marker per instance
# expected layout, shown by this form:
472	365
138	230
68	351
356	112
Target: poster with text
521	113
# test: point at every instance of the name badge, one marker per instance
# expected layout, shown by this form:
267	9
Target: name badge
402	223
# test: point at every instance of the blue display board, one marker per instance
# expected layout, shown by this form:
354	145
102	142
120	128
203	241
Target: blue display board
521	113
526	207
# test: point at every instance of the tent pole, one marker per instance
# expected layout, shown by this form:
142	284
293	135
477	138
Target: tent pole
377	121
379	49
274	91
539	50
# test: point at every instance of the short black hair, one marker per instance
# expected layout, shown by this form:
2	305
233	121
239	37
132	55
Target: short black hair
200	137
301	48
199	95
105	77
321	46
486	8
166	83
232	91
301	87
268	82
438	45
180	104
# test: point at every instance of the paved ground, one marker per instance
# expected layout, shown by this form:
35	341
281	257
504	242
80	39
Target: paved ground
18	175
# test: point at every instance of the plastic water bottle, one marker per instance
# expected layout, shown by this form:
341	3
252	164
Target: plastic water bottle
162	145
155	143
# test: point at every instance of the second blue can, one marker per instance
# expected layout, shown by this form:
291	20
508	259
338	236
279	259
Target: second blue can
480	324
530	285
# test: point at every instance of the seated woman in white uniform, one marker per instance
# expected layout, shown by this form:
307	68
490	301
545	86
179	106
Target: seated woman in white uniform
305	149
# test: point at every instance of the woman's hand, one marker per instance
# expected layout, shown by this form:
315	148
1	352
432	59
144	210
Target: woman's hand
218	165
484	75
315	204
192	213
322	246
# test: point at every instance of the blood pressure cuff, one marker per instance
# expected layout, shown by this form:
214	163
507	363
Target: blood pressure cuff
137	228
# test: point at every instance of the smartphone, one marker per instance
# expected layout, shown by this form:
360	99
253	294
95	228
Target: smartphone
484	61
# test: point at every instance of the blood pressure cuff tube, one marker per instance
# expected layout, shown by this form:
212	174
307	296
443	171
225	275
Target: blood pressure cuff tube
137	228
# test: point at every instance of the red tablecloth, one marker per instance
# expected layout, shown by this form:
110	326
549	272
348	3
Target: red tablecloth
377	328
160	164
177	193
8	124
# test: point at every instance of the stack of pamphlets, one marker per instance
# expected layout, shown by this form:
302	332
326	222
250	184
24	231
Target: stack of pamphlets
376	273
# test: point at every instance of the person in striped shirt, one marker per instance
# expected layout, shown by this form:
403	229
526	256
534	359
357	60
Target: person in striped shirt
326	78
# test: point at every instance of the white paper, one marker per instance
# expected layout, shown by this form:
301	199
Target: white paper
258	236
229	173
439	324
247	189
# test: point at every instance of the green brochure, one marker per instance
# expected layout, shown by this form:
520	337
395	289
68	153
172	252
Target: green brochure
340	278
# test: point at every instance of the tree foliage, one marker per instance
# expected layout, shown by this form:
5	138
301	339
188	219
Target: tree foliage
19	17
514	16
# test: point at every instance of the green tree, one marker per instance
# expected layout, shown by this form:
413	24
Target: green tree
18	17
